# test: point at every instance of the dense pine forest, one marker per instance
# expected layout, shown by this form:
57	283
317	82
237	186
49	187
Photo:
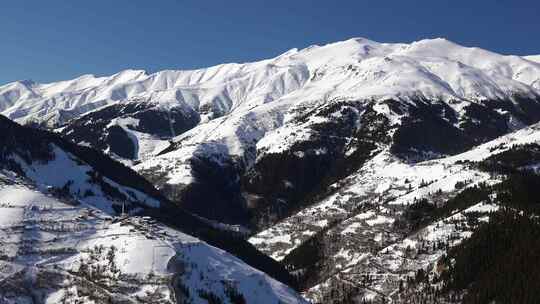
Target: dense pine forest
499	263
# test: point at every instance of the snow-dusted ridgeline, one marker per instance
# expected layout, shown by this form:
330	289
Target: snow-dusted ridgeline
535	58
265	91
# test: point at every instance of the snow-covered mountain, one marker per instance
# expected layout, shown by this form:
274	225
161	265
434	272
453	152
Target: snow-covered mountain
229	119
84	174
326	154
359	226
60	202
433	68
54	251
424	99
233	117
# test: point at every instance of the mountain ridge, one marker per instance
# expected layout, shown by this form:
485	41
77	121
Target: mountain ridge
130	83
221	117
355	161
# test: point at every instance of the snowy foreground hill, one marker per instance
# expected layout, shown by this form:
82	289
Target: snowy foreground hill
64	239
364	168
56	252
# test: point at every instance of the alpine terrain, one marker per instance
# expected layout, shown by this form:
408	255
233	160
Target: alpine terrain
353	172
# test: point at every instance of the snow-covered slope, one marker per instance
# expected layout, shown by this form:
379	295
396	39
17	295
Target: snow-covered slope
360	69
387	179
213	91
131	131
325	146
55	251
535	58
356	225
469	94
432	67
421	89
81	173
354	69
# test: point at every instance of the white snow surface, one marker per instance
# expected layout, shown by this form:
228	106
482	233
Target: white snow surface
386	179
240	103
535	58
356	69
67	170
62	236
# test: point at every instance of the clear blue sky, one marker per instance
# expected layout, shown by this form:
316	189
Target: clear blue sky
57	39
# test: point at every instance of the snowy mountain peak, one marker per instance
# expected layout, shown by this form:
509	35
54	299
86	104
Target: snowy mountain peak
288	53
355	68
327	154
26	82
